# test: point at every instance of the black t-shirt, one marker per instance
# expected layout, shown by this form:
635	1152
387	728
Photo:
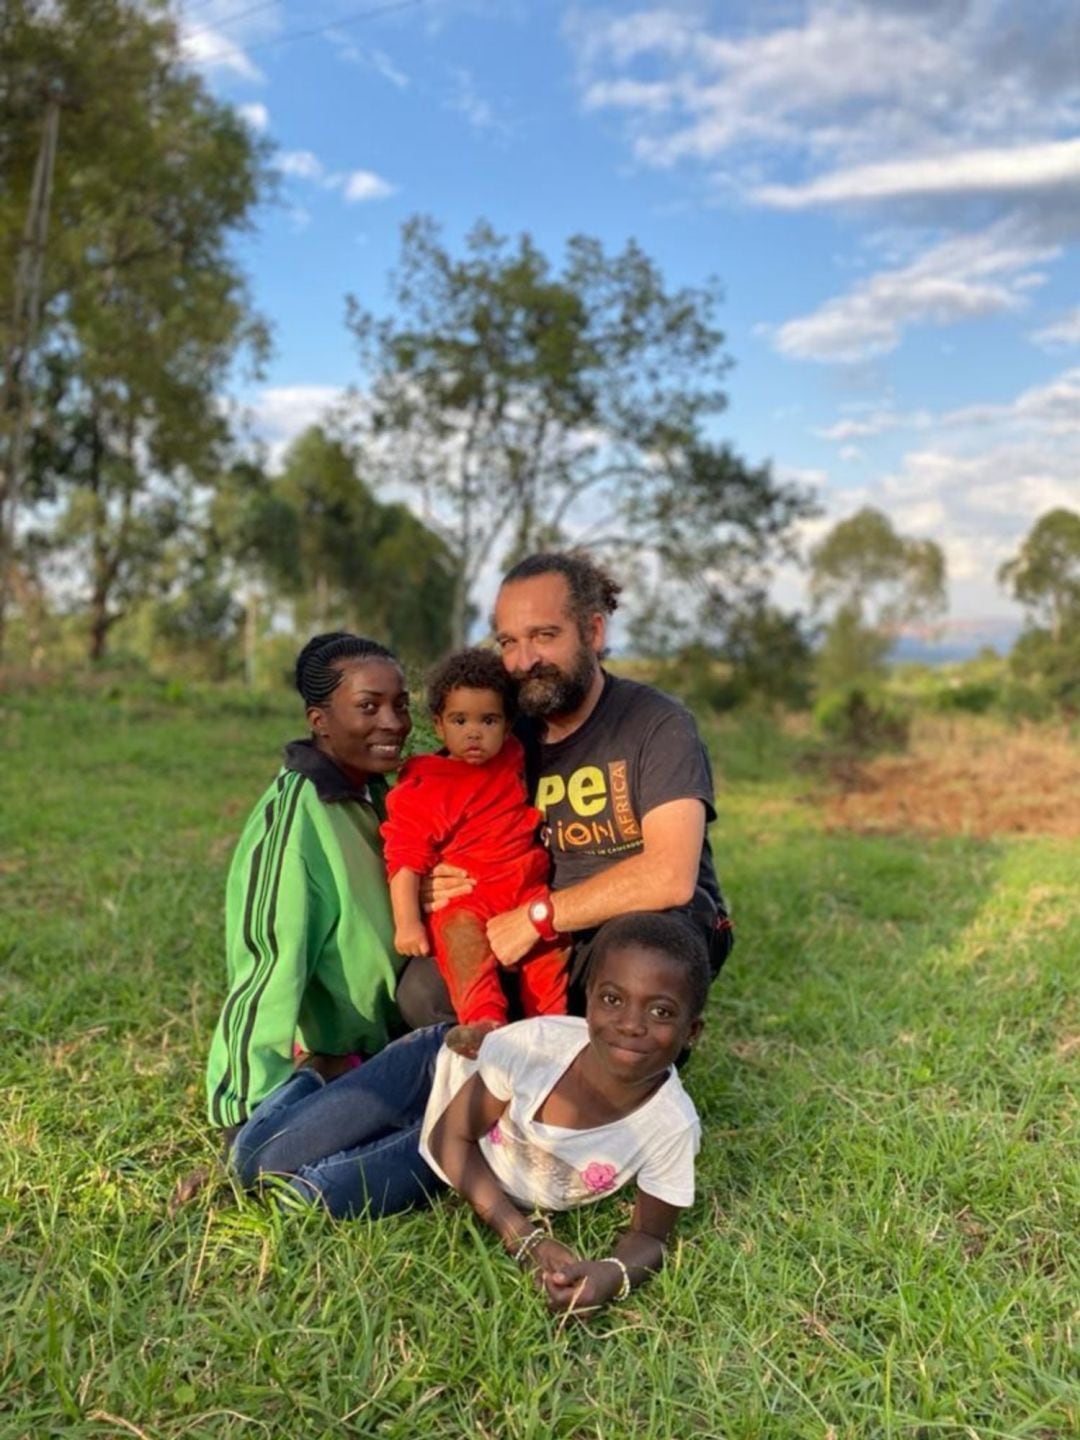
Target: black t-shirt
637	750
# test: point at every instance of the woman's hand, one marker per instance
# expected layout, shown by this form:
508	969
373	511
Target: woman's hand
582	1285
443	884
412	940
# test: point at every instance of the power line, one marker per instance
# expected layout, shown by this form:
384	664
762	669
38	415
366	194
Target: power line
227	20
184	12
350	19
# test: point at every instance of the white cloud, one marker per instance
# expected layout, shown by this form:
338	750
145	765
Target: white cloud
809	476
921	517
478	112
210	50
1053	166
364	185
256	116
213	40
1047	414
964	278
382	63
652	96
997	493
1051	410
280	413
355	187
1060	333
976	483
977	507
843	94
959	120
876	422
377	60
302	164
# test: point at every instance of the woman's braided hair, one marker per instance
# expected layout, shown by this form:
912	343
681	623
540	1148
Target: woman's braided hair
318	673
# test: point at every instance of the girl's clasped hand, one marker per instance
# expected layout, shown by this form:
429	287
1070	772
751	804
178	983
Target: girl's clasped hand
578	1286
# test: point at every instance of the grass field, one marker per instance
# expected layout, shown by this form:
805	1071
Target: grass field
885	1242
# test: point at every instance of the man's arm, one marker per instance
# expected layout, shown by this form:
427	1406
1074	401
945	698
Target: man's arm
660	876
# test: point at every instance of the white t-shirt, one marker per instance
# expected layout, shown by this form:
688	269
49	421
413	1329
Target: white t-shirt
549	1166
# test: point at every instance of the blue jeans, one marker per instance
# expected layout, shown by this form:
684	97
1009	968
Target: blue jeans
352	1144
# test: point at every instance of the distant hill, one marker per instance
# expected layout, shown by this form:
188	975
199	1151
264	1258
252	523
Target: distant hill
957	640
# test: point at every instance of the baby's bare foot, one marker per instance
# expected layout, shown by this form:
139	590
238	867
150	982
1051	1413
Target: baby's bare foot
465	1039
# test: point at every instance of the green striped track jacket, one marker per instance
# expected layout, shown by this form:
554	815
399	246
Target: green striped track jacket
309	934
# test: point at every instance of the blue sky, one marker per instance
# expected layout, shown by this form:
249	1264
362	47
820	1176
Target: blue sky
889	191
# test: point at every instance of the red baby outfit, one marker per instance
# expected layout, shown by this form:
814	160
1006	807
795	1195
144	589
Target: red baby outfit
477	817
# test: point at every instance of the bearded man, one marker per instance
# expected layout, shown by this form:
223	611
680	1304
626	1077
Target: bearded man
616	769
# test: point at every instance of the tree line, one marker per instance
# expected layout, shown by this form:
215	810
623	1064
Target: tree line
510	403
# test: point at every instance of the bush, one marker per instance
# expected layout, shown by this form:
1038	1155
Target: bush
856	719
974	697
696	677
1021	702
1049	667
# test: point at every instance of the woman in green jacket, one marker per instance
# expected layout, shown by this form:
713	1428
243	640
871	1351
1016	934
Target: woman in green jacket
309	930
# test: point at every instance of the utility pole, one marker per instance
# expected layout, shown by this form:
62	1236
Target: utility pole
26	312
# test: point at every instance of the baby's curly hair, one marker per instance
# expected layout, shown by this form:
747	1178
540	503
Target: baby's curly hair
473	669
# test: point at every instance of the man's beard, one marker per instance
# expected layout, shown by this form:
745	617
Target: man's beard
545	690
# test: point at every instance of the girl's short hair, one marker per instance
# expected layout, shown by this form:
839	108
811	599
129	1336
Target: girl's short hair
473	669
672	934
319	668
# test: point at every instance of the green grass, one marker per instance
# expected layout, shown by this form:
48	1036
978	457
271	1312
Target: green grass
885	1239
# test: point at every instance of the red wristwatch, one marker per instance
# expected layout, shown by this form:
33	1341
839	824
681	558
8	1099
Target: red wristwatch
541	915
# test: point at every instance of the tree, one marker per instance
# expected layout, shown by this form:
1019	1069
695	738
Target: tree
144	308
771	655
344	558
528	407
873	581
329	572
1044	575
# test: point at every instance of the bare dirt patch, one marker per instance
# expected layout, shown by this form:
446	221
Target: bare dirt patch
963	780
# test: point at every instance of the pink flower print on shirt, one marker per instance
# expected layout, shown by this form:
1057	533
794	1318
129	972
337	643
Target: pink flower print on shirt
494	1135
598	1177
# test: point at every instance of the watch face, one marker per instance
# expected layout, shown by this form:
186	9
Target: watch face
539	910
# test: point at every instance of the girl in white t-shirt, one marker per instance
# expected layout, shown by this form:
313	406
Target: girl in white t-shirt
554	1112
558	1112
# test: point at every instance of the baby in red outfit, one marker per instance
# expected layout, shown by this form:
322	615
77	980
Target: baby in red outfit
469	806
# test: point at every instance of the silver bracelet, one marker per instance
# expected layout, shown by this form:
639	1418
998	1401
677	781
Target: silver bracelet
528	1244
624	1286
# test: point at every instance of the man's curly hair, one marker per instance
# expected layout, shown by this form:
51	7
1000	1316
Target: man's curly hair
593	591
473	669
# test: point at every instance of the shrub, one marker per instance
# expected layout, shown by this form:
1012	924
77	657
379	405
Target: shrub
856	719
1021	702
974	697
